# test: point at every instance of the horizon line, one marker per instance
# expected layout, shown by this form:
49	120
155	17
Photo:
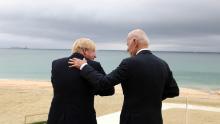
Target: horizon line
174	51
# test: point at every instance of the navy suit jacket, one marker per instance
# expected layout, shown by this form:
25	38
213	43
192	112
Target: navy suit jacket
73	101
146	80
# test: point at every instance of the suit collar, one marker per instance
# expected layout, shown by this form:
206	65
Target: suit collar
77	55
144	52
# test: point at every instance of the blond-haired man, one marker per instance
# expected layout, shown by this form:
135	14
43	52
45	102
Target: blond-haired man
73	101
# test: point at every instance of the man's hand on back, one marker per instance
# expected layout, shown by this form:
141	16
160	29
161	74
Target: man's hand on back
77	63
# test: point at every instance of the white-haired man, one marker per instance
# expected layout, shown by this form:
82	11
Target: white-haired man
146	80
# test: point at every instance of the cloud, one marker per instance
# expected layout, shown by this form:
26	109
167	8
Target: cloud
178	23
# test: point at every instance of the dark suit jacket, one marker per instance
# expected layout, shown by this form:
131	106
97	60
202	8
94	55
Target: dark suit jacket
145	79
73	101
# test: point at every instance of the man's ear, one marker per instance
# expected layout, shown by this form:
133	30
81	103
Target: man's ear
84	52
135	43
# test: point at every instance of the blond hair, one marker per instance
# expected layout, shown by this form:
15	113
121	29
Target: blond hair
83	44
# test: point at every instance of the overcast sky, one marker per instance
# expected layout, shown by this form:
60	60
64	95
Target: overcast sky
170	24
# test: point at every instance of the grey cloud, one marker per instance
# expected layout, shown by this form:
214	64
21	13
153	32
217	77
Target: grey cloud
166	22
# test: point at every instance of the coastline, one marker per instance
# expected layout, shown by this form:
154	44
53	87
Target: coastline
27	97
19	83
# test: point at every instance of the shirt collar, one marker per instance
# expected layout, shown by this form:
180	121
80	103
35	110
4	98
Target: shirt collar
142	50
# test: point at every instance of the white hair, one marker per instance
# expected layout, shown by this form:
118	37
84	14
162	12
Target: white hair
140	35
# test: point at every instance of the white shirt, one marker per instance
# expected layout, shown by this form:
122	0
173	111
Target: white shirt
83	65
142	50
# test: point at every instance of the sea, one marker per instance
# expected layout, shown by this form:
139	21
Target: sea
200	70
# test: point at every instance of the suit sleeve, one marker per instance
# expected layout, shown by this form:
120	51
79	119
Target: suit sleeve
171	87
100	81
108	91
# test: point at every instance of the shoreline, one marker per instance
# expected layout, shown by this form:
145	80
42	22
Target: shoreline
27	82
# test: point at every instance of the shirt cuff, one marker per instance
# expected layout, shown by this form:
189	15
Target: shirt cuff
83	65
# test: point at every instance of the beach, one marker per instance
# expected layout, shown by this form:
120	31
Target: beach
20	98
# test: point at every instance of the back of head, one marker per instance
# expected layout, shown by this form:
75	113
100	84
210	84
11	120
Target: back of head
140	36
83	44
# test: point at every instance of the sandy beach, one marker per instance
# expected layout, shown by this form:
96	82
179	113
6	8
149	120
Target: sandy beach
20	98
